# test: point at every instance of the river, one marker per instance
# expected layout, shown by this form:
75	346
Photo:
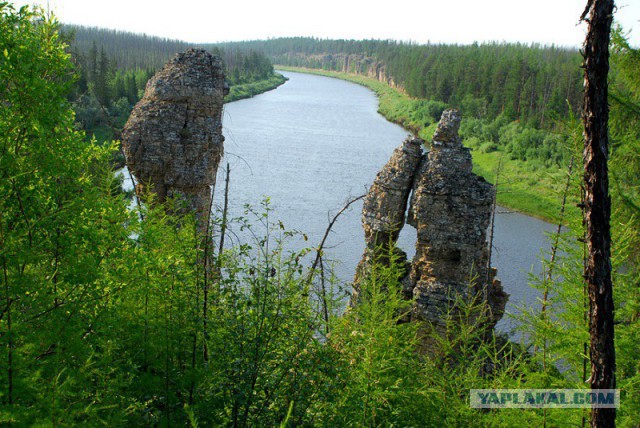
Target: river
313	143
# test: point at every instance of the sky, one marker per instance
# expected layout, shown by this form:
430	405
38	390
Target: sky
438	21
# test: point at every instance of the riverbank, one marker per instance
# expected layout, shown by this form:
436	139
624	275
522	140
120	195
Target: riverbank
236	92
248	90
523	187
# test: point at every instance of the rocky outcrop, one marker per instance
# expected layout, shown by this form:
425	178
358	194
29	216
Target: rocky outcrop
451	208
362	65
173	139
384	207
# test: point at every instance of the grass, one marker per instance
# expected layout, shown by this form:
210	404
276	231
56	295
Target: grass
248	90
521	187
524	187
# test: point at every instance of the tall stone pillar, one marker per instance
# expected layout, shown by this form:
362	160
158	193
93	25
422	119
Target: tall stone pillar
451	210
173	139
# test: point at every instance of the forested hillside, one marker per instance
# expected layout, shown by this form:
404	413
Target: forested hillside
130	51
114	66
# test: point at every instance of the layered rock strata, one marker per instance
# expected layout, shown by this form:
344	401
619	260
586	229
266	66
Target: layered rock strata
451	210
173	139
450	207
384	207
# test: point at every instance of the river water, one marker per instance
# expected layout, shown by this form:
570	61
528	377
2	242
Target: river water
315	142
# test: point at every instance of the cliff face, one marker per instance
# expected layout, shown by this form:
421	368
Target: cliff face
384	208
173	139
359	64
451	208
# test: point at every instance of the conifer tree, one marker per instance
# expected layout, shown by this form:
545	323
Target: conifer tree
598	203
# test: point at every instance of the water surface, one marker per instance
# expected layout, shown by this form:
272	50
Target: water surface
315	142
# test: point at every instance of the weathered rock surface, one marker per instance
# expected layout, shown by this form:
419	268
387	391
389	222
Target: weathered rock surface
451	209
173	139
384	208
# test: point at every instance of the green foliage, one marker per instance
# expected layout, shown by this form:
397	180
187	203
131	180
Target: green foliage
244	67
625	192
624	130
248	90
377	383
558	335
488	147
430	110
527	83
61	216
118	316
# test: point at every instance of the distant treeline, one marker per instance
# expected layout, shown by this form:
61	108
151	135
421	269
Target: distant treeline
510	94
113	68
130	51
526	83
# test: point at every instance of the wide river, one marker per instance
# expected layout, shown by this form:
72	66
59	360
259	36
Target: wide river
315	142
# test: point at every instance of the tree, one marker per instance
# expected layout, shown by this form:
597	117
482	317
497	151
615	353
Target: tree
101	82
59	220
92	62
132	88
597	203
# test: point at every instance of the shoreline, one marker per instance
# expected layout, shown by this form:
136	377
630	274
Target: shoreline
525	193
249	90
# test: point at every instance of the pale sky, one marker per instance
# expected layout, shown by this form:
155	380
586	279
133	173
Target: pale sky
448	21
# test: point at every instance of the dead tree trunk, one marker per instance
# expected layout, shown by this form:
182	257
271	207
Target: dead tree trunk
598	204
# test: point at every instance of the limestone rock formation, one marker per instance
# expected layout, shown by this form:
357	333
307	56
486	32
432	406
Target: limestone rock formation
384	208
383	211
451	209
173	139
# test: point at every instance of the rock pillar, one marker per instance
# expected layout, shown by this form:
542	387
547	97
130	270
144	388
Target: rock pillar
384	208
173	139
450	207
451	210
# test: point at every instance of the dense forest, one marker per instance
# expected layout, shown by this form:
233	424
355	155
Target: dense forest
113	68
110	316
514	93
527	83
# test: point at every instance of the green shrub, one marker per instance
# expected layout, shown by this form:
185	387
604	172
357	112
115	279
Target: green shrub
488	147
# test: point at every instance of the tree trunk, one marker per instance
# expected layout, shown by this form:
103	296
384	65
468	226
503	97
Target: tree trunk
598	204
